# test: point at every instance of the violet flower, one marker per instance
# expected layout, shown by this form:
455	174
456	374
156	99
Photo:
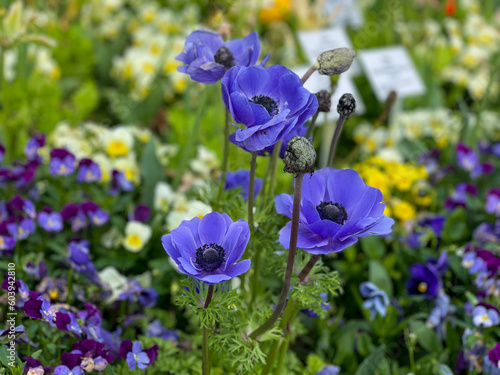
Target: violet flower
22	231
337	209
68	322
492	361
329	370
484	315
493	202
141	213
32	147
136	356
39	308
97	215
50	222
133	291
88	171
64	370
62	162
269	102
156	329
119	183
424	281
208	57
208	249
241	179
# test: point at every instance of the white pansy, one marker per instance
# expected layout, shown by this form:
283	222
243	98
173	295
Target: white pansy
137	235
128	165
206	161
164	196
115	282
186	210
118	142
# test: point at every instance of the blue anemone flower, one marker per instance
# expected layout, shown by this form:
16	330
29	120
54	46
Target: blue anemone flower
270	102
337	208
241	179
208	57
208	249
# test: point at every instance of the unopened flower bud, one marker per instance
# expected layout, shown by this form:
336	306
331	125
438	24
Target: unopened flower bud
225	57
300	156
324	101
346	106
335	61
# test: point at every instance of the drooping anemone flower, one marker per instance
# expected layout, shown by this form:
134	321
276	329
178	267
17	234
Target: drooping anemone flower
269	102
376	300
337	208
424	281
241	179
208	57
208	249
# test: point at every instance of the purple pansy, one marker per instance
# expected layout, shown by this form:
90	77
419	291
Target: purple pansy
156	329
208	57
68	322
62	162
376	300
141	213
492	361
484	315
337	208
96	214
424	281
269	102
459	196
329	370
119	183
65	370
33	145
95	354
241	179
133	291
22	231
136	356
208	249
39	308
493	202
50	221
92	319
2	152
88	171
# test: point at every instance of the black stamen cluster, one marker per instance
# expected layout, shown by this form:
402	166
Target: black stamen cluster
210	256
332	211
268	103
225	57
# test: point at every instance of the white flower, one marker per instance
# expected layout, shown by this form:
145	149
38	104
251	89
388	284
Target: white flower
137	234
206	161
186	210
115	281
118	142
128	165
164	196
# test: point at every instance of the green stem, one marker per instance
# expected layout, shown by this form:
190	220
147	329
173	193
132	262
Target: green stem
310	128
253	165
335	140
291	258
225	156
255	276
271	357
282	351
308	267
192	139
69	283
206	353
205	330
274	163
309	72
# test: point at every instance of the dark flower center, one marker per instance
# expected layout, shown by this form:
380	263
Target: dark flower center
210	256
332	211
268	103
225	57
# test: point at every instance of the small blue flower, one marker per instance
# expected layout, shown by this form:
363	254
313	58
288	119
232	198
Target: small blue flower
208	57
62	162
88	171
22	231
241	179
484	315
329	370
51	222
424	281
376	300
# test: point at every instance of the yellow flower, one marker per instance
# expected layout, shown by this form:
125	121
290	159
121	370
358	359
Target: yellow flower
403	210
280	11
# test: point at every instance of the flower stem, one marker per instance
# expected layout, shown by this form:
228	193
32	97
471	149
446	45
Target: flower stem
225	156
210	293
192	139
291	258
335	140
309	72
205	330
206	353
308	267
311	125
274	162
253	165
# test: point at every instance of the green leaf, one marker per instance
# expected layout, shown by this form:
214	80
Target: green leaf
379	276
455	227
375	363
426	337
373	247
37	354
364	344
152	173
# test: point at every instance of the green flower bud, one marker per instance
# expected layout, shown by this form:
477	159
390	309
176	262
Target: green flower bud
300	156
335	61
